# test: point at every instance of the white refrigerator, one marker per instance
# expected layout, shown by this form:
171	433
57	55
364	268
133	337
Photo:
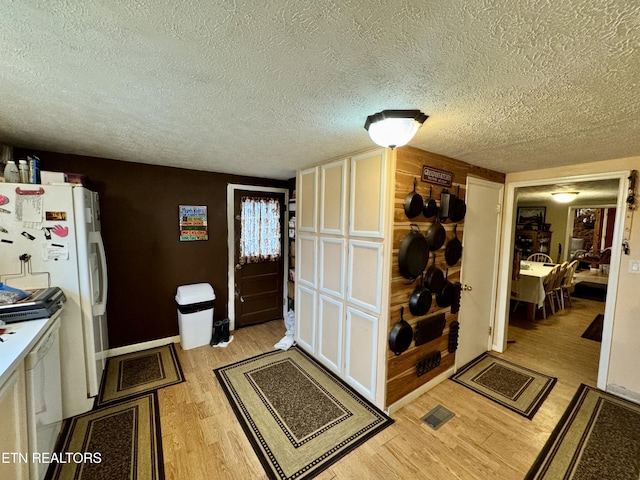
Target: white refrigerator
50	236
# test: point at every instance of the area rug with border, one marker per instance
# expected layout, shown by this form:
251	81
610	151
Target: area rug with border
598	437
517	388
120	441
299	417
132	374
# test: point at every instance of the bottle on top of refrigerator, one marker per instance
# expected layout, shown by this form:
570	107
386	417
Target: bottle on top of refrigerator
34	169
23	168
11	172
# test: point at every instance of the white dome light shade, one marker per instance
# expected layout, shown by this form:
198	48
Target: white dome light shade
564	197
394	128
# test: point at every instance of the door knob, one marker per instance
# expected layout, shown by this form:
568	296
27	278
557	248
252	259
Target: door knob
467	288
238	266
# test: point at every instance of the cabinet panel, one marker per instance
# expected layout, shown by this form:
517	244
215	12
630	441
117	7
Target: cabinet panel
306	258
307	193
306	318
333	187
367	194
361	351
13	424
332	266
330	332
365	274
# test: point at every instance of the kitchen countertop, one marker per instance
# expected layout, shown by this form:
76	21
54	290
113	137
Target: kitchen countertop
17	345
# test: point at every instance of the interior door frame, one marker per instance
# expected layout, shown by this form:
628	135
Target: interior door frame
231	190
506	258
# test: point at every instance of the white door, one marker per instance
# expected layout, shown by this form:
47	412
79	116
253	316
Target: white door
479	273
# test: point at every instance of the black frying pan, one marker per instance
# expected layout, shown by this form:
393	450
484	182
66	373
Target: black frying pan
430	205
436	235
453	251
420	301
434	279
447	295
413	203
459	209
413	255
401	335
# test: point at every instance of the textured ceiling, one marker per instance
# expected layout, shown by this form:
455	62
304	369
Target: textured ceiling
264	87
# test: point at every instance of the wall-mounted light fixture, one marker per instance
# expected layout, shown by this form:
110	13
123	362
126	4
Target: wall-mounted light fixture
564	197
394	128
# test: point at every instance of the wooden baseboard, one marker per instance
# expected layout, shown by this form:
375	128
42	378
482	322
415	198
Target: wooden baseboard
137	347
419	391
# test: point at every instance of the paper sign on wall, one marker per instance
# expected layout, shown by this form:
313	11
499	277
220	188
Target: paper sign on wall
193	223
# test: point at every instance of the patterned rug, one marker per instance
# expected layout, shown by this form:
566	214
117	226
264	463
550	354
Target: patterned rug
132	374
121	441
299	417
517	388
597	438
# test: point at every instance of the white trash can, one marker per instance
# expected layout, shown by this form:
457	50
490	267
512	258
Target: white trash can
195	314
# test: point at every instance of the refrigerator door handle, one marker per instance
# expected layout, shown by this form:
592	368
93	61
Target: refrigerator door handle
100	307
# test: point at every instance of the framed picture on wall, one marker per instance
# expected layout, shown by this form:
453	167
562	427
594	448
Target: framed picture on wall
193	223
531	215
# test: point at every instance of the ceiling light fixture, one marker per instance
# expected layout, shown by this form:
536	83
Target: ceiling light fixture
394	128
564	197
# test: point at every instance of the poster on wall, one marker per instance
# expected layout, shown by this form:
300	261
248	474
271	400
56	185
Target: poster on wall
193	223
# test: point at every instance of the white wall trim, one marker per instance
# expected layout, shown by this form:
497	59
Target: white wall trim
231	190
138	347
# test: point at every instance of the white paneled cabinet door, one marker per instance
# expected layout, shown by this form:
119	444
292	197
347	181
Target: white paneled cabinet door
306	318
333	197
365	274
330	332
307	193
13	425
361	353
367	195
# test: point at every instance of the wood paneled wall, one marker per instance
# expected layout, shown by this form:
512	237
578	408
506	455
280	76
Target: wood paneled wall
402	378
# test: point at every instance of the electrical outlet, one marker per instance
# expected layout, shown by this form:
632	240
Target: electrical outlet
634	266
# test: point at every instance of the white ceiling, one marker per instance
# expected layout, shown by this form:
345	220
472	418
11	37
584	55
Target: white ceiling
264	87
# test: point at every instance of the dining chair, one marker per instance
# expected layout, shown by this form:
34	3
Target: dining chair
549	284
568	281
540	257
557	284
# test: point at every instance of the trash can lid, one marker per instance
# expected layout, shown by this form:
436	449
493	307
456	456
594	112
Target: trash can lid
195	293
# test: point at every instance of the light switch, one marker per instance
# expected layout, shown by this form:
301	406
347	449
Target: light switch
634	266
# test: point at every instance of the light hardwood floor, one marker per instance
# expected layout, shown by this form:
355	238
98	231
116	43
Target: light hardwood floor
202	439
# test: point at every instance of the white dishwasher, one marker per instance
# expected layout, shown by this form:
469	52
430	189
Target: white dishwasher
44	397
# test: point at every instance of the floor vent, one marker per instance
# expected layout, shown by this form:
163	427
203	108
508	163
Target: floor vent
438	417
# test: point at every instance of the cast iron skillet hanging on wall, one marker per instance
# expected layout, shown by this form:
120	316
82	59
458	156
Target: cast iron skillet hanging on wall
413	255
420	301
413	203
453	251
401	335
448	293
459	209
436	235
434	279
430	205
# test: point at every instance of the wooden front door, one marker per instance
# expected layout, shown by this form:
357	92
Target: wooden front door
259	273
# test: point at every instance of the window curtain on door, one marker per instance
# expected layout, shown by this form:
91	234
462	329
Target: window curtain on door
260	230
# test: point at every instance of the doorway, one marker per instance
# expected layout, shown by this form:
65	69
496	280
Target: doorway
258	254
500	339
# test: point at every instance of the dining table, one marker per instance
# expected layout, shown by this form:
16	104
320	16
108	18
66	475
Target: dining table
530	286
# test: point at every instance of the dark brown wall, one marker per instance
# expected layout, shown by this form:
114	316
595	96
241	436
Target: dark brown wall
146	261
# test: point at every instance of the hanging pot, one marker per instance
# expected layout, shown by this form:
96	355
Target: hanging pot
413	203
459	209
430	205
434	278
420	301
453	251
401	335
448	293
446	204
413	255
436	235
